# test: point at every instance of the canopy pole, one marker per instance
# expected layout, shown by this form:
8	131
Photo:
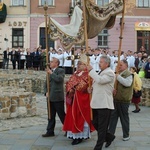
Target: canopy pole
120	40
86	45
47	62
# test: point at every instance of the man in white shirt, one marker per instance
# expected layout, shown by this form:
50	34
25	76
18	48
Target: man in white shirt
102	99
94	60
131	62
59	55
68	62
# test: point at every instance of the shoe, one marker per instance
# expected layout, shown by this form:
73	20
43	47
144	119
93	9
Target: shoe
126	139
76	141
136	111
107	144
48	134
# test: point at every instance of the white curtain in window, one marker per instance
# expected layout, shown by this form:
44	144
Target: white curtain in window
17	2
48	2
143	3
140	3
102	2
21	2
146	3
106	2
99	2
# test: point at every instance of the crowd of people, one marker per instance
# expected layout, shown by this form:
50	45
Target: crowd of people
36	59
25	59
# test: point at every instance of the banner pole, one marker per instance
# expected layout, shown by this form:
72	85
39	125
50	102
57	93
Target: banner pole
86	45
120	40
47	62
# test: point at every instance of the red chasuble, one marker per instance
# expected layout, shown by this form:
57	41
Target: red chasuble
78	103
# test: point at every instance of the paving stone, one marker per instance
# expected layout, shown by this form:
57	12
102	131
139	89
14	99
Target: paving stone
25	133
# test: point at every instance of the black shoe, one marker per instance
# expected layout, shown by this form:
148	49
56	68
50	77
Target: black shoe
76	141
134	110
48	135
107	144
137	110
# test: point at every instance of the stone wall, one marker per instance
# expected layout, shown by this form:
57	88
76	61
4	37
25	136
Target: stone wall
18	88
31	81
16	102
145	99
17	92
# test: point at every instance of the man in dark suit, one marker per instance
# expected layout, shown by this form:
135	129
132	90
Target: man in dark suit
6	58
56	76
137	61
13	54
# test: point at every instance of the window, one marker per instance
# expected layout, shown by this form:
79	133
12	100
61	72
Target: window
74	2
48	2
143	39
103	39
143	3
17	2
42	40
17	38
102	2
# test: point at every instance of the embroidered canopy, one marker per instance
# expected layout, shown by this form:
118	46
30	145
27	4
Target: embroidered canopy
97	17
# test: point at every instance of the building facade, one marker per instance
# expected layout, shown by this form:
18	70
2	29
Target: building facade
136	32
15	31
25	24
57	9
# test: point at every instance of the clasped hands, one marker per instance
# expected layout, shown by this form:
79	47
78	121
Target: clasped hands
49	71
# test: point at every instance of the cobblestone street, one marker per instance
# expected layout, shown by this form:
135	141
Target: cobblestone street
25	133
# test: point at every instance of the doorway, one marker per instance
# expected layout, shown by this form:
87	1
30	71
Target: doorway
43	41
143	39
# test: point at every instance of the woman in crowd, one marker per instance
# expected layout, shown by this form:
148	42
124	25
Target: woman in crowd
29	59
36	59
23	54
137	86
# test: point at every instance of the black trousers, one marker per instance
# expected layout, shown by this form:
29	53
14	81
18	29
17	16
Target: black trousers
5	63
100	121
55	107
120	111
14	64
22	64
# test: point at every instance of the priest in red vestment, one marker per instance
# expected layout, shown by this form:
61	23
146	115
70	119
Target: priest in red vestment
78	122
